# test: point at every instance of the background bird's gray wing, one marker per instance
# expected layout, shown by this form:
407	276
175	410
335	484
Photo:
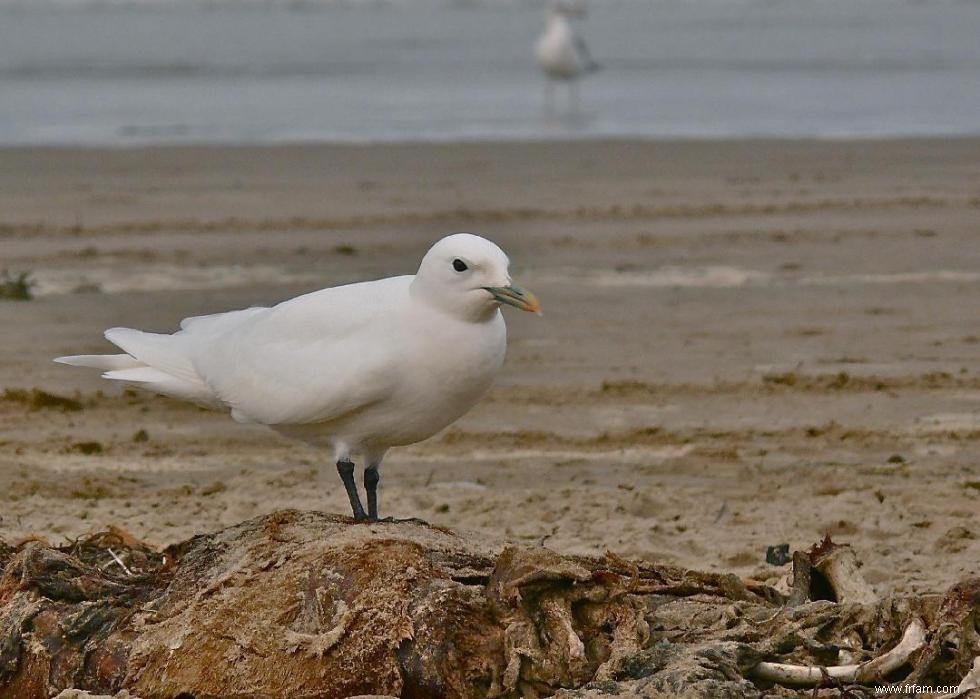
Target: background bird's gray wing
583	53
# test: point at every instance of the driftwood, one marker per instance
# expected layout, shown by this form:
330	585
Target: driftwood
300	604
875	669
840	568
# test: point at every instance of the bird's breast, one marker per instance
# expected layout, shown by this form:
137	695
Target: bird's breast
556	53
456	358
452	365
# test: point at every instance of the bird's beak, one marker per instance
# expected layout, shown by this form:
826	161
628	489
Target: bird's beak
515	296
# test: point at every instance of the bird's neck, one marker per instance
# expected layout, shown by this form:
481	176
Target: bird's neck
556	20
472	307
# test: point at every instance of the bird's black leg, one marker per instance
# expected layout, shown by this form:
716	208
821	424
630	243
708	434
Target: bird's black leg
346	470
371	478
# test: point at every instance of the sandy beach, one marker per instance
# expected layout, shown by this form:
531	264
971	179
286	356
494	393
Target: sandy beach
744	343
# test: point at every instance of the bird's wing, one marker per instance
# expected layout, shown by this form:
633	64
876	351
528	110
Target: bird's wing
216	322
583	53
312	359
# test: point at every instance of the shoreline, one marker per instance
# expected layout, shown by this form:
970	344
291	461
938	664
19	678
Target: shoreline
487	142
499	140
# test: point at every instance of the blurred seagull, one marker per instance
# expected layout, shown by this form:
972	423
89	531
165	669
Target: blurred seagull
561	52
355	369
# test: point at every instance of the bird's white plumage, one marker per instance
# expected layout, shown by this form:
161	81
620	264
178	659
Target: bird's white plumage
357	368
561	52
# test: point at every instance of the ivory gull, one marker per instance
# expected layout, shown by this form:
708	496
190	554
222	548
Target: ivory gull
355	369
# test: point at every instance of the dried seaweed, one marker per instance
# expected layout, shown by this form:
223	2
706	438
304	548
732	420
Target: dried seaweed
306	604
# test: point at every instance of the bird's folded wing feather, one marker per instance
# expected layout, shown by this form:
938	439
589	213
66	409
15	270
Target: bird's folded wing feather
583	54
312	359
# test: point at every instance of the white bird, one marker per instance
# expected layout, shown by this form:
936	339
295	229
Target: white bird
355	369
561	52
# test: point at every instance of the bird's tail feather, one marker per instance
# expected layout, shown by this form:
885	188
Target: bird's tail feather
106	362
153	362
162	352
160	382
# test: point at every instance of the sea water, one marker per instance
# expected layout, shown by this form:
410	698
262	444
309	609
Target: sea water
127	72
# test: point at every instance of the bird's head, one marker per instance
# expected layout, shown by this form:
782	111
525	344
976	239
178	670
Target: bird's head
573	9
468	276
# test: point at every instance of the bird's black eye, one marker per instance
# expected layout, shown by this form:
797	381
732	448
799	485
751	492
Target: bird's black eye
459	265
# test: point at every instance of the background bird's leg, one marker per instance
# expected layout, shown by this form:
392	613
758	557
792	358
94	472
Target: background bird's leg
346	470
549	97
371	478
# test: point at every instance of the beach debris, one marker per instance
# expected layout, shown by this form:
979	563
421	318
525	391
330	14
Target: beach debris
309	604
777	555
82	694
37	399
802	580
874	670
970	682
16	286
214	488
88	448
119	561
839	566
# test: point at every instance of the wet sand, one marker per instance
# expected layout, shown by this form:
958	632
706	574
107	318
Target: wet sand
744	343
